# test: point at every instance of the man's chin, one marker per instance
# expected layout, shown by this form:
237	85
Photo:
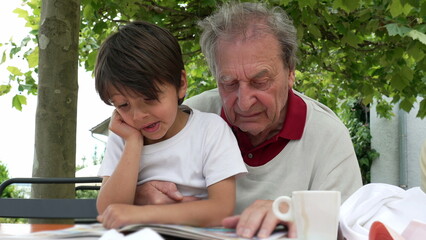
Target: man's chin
250	128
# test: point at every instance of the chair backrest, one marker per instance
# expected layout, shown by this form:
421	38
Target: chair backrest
81	210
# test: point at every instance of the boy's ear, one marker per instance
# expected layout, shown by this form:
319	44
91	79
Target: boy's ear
183	85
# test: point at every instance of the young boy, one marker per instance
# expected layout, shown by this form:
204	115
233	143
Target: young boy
140	72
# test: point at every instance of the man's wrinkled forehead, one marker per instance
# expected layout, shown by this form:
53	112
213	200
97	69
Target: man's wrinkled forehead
246	31
255	75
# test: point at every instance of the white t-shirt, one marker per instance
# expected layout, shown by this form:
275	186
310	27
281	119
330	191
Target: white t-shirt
204	152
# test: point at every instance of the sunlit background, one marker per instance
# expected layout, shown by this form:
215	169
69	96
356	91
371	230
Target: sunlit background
17	128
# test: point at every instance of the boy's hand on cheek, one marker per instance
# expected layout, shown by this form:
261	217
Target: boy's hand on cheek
121	128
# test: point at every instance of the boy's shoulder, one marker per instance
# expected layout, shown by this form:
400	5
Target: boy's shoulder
204	121
207	101
205	117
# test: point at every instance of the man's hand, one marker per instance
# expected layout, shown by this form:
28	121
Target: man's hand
257	218
159	192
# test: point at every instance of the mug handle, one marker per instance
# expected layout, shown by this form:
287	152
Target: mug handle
288	216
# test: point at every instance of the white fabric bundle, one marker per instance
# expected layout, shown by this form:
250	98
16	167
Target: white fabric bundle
389	204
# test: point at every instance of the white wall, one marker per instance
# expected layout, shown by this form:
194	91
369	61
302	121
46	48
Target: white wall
398	140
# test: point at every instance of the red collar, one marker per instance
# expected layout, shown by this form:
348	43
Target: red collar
292	129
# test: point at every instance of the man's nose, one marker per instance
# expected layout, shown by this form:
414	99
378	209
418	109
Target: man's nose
245	98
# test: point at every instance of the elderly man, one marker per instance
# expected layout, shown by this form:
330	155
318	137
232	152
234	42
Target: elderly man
288	141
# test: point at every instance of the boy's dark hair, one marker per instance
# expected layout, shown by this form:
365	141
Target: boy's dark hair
136	60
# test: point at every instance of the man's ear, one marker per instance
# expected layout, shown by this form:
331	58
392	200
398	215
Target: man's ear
291	78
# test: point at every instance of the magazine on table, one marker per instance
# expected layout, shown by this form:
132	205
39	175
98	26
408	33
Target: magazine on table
96	231
196	233
79	231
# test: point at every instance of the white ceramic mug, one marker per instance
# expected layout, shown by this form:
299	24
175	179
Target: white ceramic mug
315	213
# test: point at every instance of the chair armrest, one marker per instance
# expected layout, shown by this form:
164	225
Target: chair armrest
48	180
48	208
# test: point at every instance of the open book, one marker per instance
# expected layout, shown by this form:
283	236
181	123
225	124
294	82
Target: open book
196	233
96	231
79	231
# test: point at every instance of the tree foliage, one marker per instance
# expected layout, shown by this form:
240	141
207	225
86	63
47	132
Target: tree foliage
356	117
365	50
4	175
352	52
9	192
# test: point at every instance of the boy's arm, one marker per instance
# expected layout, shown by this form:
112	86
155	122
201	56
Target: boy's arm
202	213
120	187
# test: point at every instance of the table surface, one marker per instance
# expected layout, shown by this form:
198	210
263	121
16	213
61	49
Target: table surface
23	228
14	229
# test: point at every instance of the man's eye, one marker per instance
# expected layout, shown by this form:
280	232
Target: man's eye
229	86
260	84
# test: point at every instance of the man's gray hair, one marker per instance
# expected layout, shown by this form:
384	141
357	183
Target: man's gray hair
235	19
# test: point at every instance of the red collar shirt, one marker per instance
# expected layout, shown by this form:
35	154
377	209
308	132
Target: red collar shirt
292	129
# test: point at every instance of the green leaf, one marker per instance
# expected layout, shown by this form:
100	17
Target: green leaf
422	109
100	27
395	8
87	11
414	3
281	2
402	78
21	13
5	89
415	52
3	57
396	54
91	59
367	90
314	30
18	101
304	3
32	58
423	9
367	99
414	34
407	104
351	5
395	29
406	74
407	9
342	4
300	31
14	71
337	4
351	39
397	82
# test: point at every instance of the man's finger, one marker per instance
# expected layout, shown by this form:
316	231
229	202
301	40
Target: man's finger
189	199
175	195
100	218
292	231
231	222
169	189
268	225
252	218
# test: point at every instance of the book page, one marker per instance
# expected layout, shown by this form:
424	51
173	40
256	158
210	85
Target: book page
195	233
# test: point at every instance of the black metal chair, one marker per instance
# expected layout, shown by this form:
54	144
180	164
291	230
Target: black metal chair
81	210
